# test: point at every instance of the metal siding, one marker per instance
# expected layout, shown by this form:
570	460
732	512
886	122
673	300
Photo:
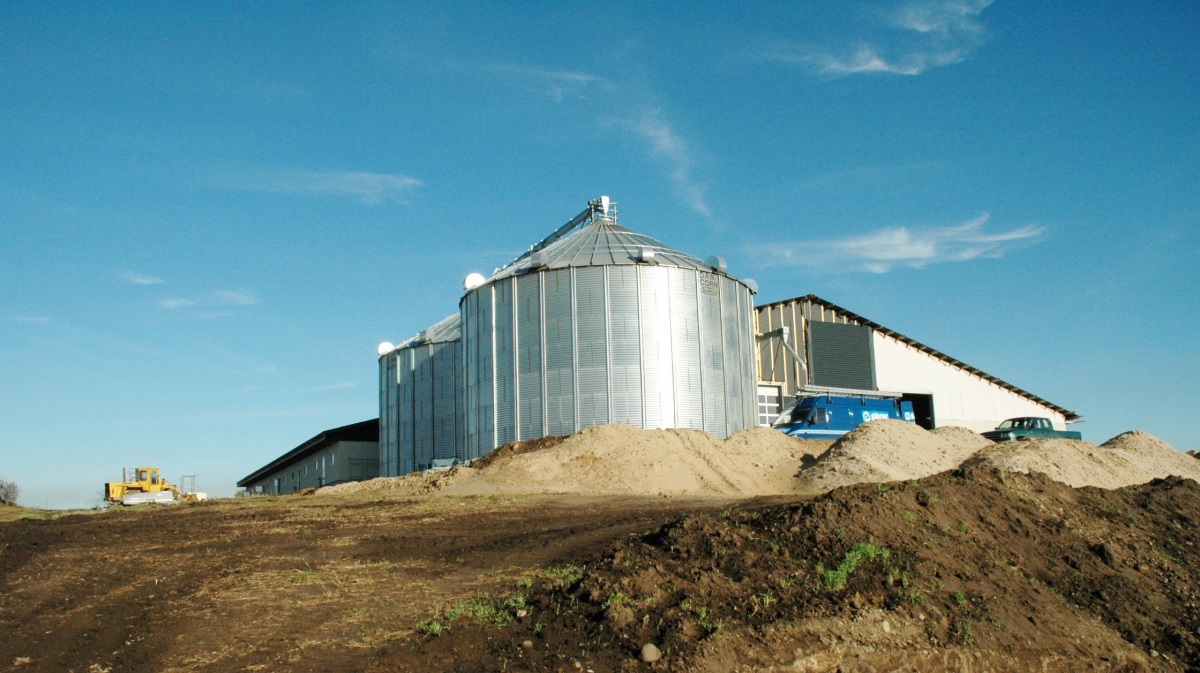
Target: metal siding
560	353
471	368
529	357
591	352
422	408
625	346
712	354
654	314
685	351
444	365
504	384
748	369
404	411
737	375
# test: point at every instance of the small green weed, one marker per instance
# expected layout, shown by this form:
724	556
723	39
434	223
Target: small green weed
835	580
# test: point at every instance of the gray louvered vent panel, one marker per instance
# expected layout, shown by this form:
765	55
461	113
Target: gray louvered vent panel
840	355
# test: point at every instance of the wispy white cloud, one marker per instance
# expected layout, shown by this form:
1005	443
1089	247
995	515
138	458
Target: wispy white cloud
887	249
914	38
138	279
175	303
557	85
236	298
670	148
341	385
30	319
214	299
369	188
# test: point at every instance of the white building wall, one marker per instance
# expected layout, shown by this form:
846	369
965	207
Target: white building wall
959	397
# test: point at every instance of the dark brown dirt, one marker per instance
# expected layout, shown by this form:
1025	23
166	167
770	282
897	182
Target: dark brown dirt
514	449
964	571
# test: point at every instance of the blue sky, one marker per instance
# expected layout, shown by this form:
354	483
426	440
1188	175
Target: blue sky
211	215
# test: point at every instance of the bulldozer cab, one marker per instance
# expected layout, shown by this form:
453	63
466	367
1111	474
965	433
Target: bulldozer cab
144	479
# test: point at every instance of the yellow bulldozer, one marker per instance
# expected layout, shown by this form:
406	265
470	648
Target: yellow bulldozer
146	485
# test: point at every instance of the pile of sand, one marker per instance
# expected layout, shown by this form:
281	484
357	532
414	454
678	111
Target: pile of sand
887	450
618	459
621	460
1130	458
417	483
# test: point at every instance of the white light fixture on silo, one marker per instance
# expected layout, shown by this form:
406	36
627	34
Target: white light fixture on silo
473	280
385	348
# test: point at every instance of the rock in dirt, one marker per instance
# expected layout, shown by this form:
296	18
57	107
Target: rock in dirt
651	653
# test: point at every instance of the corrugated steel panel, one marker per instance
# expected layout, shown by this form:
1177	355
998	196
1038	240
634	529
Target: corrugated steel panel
654	315
505	381
733	325
529	357
591	338
560	353
590	330
685	356
625	367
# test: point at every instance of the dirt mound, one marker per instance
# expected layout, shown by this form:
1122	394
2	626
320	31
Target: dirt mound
1153	455
888	450
974	569
617	459
1127	459
417	483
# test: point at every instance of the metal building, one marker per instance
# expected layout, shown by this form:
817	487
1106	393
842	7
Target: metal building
810	345
420	400
605	325
334	456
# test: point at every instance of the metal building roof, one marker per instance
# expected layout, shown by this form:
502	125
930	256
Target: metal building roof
1069	415
364	431
602	242
445	330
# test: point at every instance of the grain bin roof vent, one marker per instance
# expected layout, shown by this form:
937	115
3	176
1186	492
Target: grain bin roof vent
601	241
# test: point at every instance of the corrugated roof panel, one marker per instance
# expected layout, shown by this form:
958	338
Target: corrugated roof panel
603	242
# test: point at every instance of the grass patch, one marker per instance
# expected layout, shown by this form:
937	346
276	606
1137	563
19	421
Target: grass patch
835	580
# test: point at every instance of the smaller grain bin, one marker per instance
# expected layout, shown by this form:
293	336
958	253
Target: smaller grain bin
420	403
605	325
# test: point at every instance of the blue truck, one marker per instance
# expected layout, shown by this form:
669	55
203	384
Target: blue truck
831	416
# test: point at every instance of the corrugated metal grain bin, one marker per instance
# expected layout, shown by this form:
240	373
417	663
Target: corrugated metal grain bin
420	405
606	325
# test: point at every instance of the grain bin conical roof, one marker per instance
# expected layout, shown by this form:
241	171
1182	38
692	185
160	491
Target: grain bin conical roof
602	242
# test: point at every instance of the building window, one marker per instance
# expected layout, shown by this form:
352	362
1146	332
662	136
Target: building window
769	399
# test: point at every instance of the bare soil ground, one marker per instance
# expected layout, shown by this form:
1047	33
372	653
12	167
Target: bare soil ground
976	568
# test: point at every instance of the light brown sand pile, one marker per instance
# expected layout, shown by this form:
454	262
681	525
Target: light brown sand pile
1071	461
1130	458
618	459
888	450
1153	455
622	460
417	483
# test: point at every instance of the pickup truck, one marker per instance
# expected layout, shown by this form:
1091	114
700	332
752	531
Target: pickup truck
1028	426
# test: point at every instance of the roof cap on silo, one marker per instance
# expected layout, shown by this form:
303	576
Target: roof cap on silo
602	242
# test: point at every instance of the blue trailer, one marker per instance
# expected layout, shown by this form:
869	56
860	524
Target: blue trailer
831	416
